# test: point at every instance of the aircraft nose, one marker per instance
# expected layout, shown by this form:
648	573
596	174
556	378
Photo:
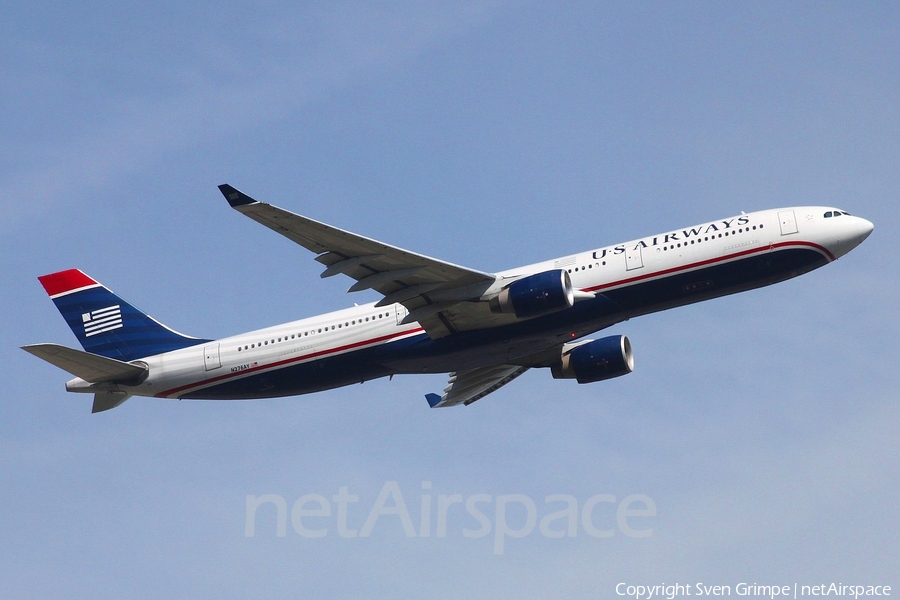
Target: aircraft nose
849	232
864	228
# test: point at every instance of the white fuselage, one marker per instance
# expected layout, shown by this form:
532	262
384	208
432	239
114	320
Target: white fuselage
385	346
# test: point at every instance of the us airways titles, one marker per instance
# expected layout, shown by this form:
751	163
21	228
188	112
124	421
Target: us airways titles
673	237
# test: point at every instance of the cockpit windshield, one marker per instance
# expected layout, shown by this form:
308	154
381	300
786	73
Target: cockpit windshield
836	213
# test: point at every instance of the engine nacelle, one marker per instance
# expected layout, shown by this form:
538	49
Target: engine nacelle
536	295
596	360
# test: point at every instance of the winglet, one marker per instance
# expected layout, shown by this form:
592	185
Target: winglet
235	196
433	399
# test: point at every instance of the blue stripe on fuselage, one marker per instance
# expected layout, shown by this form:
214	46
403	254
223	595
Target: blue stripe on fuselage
471	349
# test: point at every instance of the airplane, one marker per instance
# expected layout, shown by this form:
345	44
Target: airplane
484	329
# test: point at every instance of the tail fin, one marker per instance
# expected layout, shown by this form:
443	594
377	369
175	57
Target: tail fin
107	325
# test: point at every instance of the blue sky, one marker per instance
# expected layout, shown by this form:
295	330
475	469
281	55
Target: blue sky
763	426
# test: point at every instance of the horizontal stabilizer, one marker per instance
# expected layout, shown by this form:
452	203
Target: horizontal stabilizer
93	368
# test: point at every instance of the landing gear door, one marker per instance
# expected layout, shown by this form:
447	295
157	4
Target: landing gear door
633	257
788	222
211	357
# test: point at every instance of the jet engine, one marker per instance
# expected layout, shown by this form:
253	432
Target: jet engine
596	360
536	295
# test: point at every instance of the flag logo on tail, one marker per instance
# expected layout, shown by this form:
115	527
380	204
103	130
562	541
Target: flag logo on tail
102	320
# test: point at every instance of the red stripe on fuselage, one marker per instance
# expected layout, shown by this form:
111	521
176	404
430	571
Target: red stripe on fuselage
710	261
604	286
205	383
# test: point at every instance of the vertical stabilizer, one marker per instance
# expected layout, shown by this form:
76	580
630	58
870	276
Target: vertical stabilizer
107	325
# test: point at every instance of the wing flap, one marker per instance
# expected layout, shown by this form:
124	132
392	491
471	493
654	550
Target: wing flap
465	387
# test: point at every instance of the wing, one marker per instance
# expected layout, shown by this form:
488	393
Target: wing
437	294
468	386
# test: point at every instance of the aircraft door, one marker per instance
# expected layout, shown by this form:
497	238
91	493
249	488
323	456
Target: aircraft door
211	357
401	313
634	258
788	222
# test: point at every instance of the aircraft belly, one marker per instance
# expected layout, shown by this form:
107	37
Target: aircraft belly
528	342
523	342
716	280
300	378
